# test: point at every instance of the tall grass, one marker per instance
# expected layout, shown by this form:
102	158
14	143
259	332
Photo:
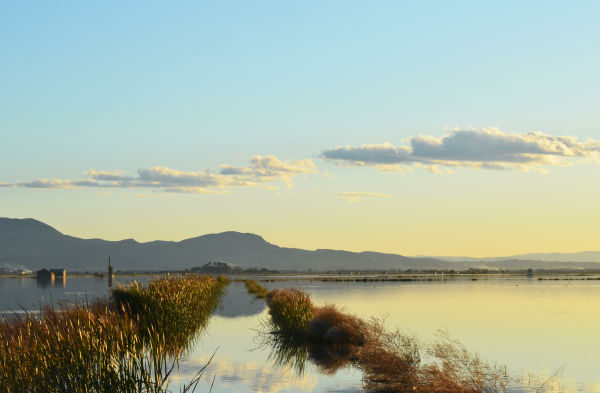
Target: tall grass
129	345
170	310
291	310
256	289
390	361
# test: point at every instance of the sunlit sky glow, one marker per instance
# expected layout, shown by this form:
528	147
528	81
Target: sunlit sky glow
439	128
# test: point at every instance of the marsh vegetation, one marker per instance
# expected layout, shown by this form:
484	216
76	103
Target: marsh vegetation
298	331
255	289
130	344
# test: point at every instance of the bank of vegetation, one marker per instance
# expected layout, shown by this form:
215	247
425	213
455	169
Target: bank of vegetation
256	289
390	361
129	344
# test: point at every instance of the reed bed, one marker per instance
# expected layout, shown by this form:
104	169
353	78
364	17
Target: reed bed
256	289
170	310
390	361
123	346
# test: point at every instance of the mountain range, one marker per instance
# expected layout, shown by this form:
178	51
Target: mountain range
34	244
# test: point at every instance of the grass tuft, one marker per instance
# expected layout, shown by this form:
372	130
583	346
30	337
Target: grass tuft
291	310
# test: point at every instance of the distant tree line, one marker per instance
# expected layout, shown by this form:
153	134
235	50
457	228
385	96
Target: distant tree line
226	268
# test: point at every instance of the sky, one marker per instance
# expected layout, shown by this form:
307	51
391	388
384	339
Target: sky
425	128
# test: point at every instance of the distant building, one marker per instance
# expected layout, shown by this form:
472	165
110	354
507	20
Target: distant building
61	274
45	274
51	274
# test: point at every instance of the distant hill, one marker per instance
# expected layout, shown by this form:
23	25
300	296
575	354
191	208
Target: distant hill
33	244
584	256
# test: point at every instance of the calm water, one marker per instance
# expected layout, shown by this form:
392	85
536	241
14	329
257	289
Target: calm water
543	327
18	294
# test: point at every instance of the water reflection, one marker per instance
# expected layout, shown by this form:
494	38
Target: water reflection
235	302
44	282
28	293
236	376
51	281
292	354
242	364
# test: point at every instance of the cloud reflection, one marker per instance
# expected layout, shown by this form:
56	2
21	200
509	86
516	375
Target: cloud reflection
250	377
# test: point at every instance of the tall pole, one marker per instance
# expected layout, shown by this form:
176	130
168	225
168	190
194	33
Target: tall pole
110	274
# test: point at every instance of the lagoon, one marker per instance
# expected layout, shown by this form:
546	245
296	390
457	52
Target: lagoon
538	327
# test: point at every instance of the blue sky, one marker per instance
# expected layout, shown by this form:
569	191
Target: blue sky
195	85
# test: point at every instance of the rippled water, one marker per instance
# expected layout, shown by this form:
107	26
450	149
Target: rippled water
542	327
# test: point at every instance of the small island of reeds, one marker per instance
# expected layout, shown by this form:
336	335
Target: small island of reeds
256	289
298	331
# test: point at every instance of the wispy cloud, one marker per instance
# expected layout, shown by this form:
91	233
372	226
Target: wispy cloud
355	196
261	169
488	148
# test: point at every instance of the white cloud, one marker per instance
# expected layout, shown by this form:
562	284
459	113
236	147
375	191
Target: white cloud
105	175
476	149
45	183
363	194
261	169
354	196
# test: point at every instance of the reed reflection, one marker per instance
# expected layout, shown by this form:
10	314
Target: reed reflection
294	354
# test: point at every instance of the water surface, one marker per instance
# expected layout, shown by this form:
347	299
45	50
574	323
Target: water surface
542	327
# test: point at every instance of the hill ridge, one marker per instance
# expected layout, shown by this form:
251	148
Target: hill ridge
34	244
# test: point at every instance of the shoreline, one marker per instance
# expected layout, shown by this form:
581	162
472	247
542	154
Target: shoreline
356	277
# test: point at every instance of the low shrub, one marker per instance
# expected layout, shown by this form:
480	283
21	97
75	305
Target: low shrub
333	327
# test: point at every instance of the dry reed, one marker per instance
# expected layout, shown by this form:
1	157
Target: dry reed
390	361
